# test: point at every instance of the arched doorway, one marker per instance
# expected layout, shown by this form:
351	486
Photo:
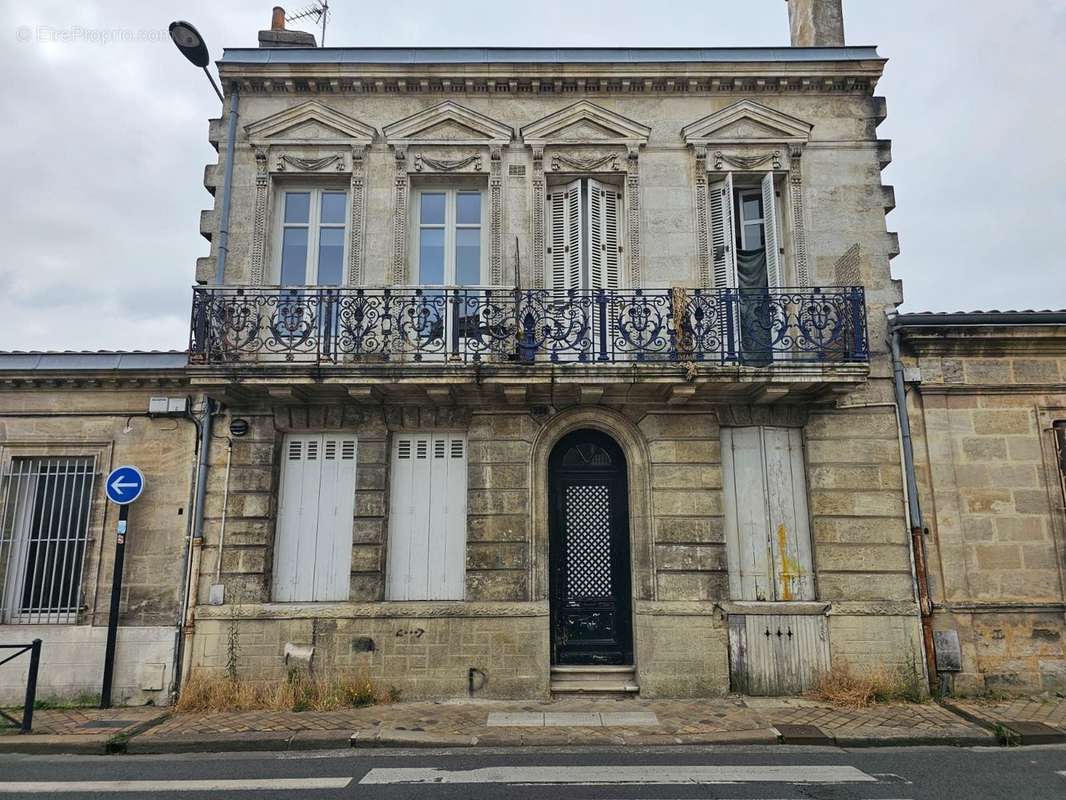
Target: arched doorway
588	551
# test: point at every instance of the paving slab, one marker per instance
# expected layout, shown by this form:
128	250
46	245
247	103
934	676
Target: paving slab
523	719
570	719
628	718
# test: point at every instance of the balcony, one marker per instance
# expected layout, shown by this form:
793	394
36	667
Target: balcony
342	333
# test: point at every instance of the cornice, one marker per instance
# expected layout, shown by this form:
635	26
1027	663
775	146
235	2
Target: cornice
562	80
980	341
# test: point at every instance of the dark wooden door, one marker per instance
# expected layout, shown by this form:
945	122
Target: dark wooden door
589	551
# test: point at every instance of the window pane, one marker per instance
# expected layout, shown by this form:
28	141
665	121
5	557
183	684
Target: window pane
431	256
333	207
294	257
330	256
753	236
751	207
432	212
468	208
468	256
297	206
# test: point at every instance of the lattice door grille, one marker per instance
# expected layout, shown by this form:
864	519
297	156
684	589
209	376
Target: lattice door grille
588	541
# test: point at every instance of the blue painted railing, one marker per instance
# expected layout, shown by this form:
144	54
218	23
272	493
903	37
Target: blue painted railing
470	325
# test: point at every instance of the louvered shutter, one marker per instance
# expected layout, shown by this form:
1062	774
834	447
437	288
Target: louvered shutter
605	257
772	233
427	518
722	238
790	538
564	213
336	509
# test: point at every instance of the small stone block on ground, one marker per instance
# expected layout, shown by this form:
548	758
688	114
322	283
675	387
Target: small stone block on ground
628	718
1035	732
803	734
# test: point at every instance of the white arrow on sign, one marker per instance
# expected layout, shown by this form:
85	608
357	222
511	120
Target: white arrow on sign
120	488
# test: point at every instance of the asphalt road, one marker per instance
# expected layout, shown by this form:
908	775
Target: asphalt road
781	773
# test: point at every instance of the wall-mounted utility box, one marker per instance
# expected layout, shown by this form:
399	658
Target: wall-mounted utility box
167	406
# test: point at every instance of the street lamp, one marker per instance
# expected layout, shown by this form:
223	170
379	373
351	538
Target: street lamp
191	44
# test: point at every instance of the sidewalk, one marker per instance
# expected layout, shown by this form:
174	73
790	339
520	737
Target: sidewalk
732	720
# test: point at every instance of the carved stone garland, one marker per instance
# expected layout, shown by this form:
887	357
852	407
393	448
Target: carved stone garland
703	253
399	219
262	186
539	199
357	220
799	229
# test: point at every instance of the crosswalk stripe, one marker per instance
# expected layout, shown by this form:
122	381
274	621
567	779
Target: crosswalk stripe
252	784
659	775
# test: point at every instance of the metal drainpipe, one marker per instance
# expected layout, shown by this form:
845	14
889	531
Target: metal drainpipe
231	147
921	566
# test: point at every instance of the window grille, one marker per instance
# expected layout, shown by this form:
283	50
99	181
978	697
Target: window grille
44	528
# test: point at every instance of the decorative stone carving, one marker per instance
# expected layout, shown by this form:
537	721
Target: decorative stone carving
703	253
633	216
357	218
495	215
446	164
561	161
799	226
262	189
537	206
747	162
309	164
399	218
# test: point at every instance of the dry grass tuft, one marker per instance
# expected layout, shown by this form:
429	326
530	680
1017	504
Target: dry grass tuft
844	687
300	691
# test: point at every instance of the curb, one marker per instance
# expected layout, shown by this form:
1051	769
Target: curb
60	744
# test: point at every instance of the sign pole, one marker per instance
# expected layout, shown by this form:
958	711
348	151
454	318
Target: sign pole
112	617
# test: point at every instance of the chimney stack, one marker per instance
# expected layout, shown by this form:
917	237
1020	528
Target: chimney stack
816	23
278	36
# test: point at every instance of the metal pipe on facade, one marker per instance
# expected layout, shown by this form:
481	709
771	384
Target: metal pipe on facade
921	567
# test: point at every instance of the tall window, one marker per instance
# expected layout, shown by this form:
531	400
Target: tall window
1060	444
745	232
585	238
312	237
449	237
46	503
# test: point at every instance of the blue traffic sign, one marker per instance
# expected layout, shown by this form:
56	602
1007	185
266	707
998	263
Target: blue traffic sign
124	485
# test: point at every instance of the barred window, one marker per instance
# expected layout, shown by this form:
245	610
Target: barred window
45	523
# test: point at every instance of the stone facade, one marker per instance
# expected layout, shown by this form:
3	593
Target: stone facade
100	411
991	486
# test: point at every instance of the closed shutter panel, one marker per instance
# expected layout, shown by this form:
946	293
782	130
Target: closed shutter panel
605	257
723	252
427	518
746	515
772	233
333	545
564	212
298	509
790	538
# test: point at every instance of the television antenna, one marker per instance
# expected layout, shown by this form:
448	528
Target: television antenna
319	12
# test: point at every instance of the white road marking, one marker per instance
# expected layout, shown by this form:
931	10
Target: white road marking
658	775
253	784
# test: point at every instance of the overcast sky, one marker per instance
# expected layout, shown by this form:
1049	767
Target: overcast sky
104	140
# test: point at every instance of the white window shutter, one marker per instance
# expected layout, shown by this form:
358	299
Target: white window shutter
746	514
772	233
297	523
333	546
565	214
790	537
605	257
723	238
427	518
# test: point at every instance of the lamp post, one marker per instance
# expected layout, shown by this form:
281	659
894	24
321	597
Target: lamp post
191	45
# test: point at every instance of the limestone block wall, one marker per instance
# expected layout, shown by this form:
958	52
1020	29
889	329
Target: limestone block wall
993	503
111	424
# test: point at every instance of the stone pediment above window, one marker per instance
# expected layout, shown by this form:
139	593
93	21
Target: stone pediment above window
585	124
747	122
310	124
447	124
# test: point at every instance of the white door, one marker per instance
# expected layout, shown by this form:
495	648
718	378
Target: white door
427	518
768	541
313	544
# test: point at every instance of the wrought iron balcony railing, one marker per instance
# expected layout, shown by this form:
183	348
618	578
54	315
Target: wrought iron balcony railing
345	325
